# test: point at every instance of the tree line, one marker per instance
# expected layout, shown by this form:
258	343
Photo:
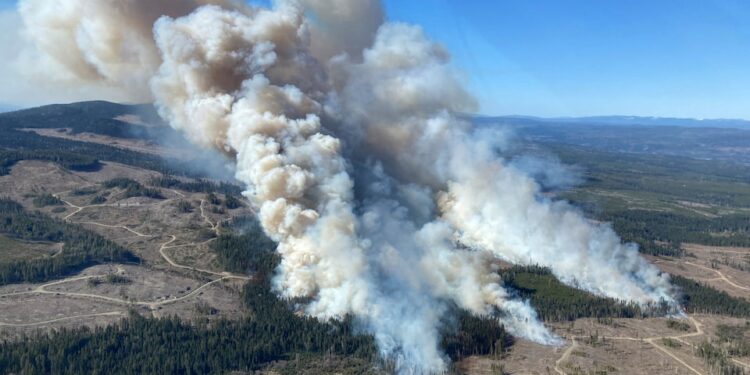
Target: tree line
67	160
555	301
197	186
132	188
82	248
700	298
644	227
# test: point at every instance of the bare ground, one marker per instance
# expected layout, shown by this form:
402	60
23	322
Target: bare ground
126	144
634	346
713	266
184	282
626	346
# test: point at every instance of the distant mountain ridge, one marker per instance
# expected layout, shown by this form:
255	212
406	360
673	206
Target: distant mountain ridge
94	108
726	140
100	108
7	108
620	120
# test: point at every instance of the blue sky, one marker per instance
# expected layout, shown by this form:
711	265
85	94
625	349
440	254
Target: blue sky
685	58
594	57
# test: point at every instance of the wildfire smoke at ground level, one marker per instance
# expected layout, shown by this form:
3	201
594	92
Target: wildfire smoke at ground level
301	93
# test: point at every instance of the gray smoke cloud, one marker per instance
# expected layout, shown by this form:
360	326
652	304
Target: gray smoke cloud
385	204
548	171
98	43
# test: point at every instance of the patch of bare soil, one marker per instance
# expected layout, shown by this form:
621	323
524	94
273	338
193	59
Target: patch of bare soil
623	346
140	145
182	280
724	268
29	178
33	313
195	256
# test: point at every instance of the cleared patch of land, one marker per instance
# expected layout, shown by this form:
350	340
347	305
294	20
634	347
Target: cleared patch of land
724	268
178	274
621	346
140	145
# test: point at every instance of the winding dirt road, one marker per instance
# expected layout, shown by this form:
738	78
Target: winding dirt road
152	305
650	340
566	355
720	275
177	265
653	341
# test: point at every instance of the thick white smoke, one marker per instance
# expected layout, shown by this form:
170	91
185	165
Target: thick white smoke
99	43
385	205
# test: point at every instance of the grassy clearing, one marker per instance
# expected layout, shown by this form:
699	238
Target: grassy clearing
12	250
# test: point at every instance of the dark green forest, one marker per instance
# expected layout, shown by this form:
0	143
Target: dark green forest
68	160
132	188
46	199
700	298
555	301
646	227
197	186
244	248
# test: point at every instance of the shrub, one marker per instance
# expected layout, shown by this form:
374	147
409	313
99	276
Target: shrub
46	199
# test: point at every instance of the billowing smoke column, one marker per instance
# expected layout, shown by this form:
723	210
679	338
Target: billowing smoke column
385	205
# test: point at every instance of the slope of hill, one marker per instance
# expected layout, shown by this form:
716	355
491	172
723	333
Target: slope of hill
96	117
627	120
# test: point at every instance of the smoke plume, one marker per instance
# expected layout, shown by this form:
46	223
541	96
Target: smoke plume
385	204
102	42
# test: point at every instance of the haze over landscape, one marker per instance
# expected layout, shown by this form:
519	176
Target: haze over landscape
314	176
